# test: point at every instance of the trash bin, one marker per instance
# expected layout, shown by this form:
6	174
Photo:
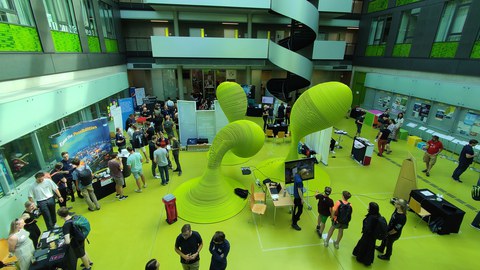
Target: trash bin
170	208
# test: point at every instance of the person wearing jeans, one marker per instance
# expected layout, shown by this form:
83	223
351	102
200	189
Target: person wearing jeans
161	158
42	191
298	198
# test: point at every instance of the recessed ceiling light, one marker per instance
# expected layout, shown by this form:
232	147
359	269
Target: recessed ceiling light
230	23
159	21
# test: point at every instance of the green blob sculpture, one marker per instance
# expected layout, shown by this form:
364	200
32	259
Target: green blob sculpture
210	198
318	108
233	100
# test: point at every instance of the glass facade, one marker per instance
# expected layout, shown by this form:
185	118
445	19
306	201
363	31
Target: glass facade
16	12
379	30
407	26
106	15
453	19
60	15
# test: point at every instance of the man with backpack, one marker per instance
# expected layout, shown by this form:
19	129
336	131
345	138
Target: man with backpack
83	177
395	226
341	216
75	231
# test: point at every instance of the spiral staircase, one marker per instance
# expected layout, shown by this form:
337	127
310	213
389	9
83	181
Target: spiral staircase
285	55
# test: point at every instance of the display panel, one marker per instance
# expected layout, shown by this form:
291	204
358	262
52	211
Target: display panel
267	100
294	166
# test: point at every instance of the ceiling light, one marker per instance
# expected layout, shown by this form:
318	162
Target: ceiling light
230	23
158	21
352	28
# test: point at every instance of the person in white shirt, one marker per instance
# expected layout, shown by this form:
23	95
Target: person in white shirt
42	192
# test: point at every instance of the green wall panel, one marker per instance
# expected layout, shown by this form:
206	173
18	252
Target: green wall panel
94	44
16	38
66	42
405	2
111	45
476	50
401	50
377	5
444	50
375	50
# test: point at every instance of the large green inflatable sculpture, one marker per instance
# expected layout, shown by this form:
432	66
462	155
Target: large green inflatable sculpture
210	197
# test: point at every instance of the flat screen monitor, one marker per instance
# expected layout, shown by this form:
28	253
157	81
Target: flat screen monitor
294	166
267	100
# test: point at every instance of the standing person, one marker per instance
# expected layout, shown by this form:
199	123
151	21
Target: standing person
399	123
288	111
139	142
382	139
271	118
130	121
83	177
130	131
341	215
134	162
365	248
298	197
74	238
42	191
395	226
120	140
359	123
58	177
29	215
20	244
325	206
176	154
188	245
152	264
68	169
383	118
391	128
115	166
168	126
151	148
265	116
465	159
219	248
433	148
280	113
161	158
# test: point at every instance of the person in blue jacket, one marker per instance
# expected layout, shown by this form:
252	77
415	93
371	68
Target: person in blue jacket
219	247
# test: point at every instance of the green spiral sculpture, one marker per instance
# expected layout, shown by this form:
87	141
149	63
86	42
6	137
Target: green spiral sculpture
210	198
318	108
233	100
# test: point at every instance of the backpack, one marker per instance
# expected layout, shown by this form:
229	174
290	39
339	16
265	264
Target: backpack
242	193
381	229
81	227
344	213
138	140
85	176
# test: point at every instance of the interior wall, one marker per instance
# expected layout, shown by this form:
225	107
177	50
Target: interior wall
141	78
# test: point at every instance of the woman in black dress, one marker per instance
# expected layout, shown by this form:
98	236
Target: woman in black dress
365	248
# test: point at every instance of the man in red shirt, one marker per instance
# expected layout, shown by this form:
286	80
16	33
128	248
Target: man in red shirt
433	148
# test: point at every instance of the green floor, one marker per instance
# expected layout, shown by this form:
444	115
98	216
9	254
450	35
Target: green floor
126	234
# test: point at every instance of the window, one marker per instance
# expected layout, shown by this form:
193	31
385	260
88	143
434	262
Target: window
89	18
60	15
379	30
20	159
106	15
453	18
16	12
407	26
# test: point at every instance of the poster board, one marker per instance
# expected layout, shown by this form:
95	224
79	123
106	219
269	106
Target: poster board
320	142
407	178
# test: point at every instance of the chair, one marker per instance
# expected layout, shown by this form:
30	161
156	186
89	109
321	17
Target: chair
417	208
269	133
257	208
257	196
4	256
281	135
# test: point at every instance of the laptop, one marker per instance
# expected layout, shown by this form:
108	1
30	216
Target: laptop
276	189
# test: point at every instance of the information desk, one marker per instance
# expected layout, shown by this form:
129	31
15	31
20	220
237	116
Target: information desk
277	128
452	216
53	253
281	199
103	186
362	150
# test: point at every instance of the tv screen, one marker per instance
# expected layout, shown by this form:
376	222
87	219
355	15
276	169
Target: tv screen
267	100
294	166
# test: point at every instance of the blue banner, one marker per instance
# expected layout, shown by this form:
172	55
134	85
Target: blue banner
88	141
126	104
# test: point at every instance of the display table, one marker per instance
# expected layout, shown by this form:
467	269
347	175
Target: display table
452	216
282	199
53	253
103	186
277	128
362	150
